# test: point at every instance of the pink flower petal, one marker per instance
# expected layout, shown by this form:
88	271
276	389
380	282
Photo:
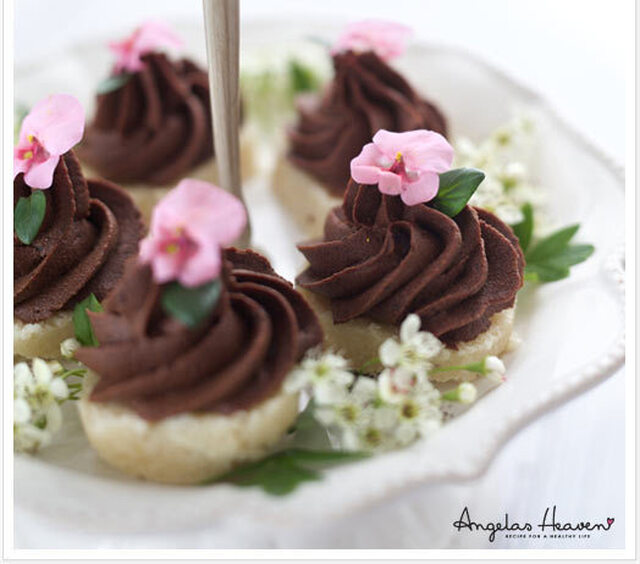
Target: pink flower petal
389	183
148	37
19	164
389	142
208	211
165	267
422	190
40	174
57	122
365	168
202	267
200	218
427	150
386	39
364	174
153	34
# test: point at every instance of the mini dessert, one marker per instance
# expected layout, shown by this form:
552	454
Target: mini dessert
152	124
366	95
72	236
404	242
194	346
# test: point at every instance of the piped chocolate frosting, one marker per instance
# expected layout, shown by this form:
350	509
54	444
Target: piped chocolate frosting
235	359
89	230
383	260
366	95
155	128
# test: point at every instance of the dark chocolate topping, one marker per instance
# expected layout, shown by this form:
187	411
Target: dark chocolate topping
89	230
156	128
233	360
383	260
366	95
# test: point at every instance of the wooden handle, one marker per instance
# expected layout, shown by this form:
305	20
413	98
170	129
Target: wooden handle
222	30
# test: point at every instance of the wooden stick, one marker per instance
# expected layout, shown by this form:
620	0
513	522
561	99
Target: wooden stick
222	30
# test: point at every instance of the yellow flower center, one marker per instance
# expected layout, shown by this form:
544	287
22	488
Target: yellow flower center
171	248
398	156
27	155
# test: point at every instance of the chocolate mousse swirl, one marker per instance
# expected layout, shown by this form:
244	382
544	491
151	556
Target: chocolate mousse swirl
89	230
383	260
366	95
233	360
155	128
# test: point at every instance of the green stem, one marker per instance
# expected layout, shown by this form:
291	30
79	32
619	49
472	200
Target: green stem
451	395
477	367
368	364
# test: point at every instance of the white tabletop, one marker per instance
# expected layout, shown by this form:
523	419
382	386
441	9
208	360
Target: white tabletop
572	52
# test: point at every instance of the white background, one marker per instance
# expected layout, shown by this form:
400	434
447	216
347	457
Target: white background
573	53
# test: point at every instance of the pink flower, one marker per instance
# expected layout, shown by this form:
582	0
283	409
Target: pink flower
188	228
385	39
52	127
404	163
146	38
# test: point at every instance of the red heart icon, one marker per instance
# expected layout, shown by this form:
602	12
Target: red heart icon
610	521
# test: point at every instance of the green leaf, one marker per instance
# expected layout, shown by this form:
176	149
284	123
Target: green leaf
302	77
524	229
552	245
545	272
82	324
282	472
28	216
573	254
112	83
190	305
456	188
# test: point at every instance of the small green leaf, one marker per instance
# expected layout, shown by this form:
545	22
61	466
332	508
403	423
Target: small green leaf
456	188
302	77
552	244
524	229
573	254
190	305
282	472
28	216
545	272
82	324
112	83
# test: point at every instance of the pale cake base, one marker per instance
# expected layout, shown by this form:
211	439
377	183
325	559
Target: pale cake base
42	339
359	339
305	199
146	197
186	448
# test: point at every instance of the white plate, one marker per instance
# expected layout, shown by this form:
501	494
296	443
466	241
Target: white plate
571	330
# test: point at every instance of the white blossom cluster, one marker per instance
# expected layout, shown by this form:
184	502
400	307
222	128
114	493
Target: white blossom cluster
504	157
393	410
38	391
39	388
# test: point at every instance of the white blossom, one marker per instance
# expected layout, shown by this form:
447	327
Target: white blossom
413	351
505	158
38	392
467	392
395	384
419	415
350	405
21	411
326	374
495	369
68	347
